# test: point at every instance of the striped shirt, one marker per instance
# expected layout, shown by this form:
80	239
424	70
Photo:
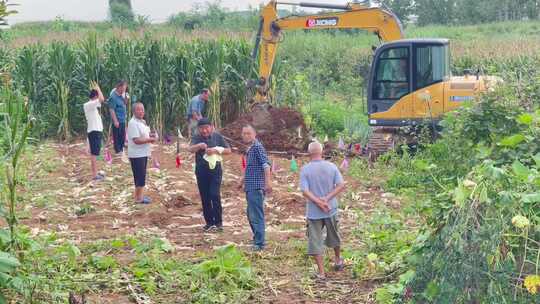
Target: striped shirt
256	162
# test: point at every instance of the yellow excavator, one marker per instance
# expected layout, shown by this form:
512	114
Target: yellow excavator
409	82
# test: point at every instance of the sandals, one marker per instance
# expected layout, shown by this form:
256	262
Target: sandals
318	277
146	200
339	266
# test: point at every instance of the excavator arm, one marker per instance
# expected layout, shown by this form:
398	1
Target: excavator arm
382	22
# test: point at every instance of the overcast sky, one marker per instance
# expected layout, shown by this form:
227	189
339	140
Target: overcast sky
92	10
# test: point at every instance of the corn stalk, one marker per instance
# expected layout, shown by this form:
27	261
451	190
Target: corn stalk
164	74
16	123
185	68
90	63
62	92
124	61
28	71
157	73
214	60
61	67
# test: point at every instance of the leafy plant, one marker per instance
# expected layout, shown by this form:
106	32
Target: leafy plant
228	273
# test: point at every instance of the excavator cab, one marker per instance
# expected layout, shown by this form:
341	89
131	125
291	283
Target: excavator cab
407	81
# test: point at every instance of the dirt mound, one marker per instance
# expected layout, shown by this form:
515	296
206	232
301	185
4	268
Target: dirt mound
278	129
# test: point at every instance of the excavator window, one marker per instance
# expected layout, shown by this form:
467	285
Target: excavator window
432	65
392	76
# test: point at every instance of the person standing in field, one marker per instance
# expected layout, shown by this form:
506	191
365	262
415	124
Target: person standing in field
321	182
194	111
139	140
257	183
117	102
94	127
208	146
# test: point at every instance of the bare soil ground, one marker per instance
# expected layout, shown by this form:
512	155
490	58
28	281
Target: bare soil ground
175	213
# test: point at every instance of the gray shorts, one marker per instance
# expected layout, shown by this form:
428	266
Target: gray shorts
315	234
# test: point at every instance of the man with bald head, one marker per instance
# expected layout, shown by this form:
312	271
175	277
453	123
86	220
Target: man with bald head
257	183
139	140
321	182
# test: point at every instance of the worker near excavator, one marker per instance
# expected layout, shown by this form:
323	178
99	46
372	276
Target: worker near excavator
321	182
195	109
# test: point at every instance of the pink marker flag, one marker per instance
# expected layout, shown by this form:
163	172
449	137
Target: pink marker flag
156	163
108	156
341	144
344	164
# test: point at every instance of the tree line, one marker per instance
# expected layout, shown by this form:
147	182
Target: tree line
459	12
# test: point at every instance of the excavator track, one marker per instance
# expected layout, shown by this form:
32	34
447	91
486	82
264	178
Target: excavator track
382	140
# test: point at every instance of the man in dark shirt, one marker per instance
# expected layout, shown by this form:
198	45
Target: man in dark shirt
208	146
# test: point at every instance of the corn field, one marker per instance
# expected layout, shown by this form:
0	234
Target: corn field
163	74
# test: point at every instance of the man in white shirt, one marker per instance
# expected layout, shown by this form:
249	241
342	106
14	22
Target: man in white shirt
139	140
95	127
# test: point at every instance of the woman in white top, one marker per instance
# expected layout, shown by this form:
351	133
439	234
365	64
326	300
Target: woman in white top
95	127
139	140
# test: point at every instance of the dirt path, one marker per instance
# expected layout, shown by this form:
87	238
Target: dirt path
81	210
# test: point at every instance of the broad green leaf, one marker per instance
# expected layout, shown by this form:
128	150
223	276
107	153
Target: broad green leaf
407	276
8	262
117	244
460	195
163	244
520	170
531	198
383	296
525	119
537	159
483	197
432	290
512	141
421	164
73	251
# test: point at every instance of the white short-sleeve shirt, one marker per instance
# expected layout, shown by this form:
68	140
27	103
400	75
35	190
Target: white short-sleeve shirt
137	128
93	118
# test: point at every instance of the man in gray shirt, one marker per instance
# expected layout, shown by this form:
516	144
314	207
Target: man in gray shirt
321	182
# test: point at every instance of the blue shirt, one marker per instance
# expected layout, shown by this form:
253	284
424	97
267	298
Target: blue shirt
320	177
116	102
256	162
196	105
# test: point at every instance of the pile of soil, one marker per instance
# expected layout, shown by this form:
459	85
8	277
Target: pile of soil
278	129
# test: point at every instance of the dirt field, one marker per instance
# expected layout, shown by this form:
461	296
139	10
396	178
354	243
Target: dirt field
175	213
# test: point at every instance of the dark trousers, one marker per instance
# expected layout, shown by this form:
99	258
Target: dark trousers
138	167
119	137
209	182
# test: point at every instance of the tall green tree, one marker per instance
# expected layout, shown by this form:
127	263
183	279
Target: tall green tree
473	11
121	11
434	11
402	8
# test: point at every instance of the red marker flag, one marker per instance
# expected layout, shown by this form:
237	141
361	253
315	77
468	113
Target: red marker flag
244	163
178	161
